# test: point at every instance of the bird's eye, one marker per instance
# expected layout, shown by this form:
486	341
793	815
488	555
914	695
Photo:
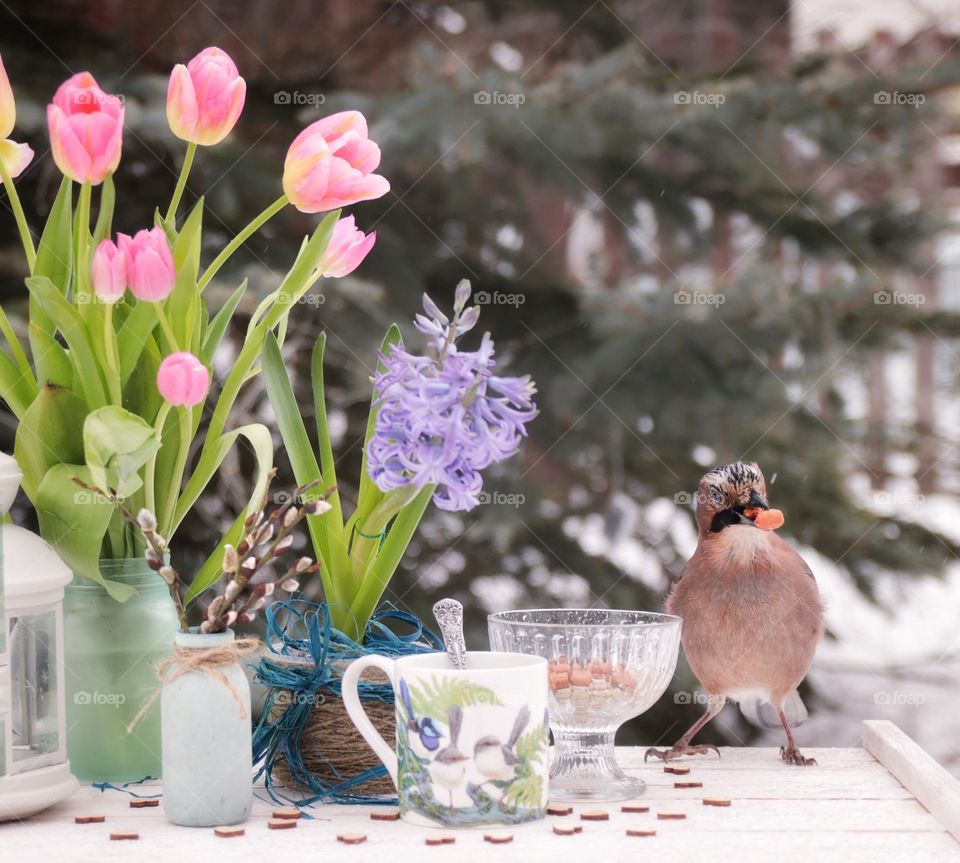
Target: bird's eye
716	497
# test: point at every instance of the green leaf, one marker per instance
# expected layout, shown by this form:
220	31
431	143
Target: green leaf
532	746
182	306
218	326
16	349
55	251
108	196
133	335
369	495
74	331
382	568
74	521
294	284
435	697
324	529
50	357
116	444
525	793
50	433
259	438
15	389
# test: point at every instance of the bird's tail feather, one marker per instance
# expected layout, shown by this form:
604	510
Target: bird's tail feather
764	715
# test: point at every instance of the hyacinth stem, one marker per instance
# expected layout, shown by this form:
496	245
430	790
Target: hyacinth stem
240	239
25	237
181	182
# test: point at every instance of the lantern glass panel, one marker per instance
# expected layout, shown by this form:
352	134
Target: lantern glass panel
33	663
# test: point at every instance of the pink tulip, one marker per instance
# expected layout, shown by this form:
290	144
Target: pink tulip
15	156
183	380
150	270
346	250
86	129
329	165
8	108
109	272
205	97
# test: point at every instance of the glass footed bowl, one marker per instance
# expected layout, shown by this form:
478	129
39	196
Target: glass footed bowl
605	667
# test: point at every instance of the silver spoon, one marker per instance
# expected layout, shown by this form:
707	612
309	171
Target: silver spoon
449	615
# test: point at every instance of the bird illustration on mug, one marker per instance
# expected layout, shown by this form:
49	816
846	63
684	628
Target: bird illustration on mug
497	761
425	736
752	613
449	767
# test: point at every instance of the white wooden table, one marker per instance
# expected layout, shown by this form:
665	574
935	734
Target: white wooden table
888	801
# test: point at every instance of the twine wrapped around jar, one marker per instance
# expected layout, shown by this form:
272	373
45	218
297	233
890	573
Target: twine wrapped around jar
206	660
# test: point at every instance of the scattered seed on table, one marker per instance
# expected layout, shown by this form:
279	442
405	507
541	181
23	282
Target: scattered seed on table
676	771
567	829
228	832
634	809
389	815
351	838
498	838
124	834
716	801
440	840
671	816
282	823
291	813
595	815
144	804
559	810
632	832
688	785
89	819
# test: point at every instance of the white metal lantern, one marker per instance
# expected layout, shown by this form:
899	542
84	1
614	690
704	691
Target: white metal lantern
34	771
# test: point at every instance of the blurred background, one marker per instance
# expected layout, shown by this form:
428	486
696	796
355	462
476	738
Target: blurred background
710	230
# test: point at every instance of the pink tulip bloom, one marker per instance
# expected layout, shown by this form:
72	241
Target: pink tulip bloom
330	164
86	129
15	156
346	250
8	108
150	270
205	98
109	272
183	380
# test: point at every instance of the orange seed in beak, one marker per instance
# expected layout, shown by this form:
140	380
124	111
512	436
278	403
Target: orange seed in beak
768	519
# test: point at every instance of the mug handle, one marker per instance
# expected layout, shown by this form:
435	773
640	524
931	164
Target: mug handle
351	700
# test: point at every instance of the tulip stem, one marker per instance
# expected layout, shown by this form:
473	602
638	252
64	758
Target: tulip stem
25	237
181	182
82	278
165	326
176	475
240	239
112	356
149	474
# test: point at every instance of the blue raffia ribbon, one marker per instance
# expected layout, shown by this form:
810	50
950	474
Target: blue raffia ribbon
125	788
301	630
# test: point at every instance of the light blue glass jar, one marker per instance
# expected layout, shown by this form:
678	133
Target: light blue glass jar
111	650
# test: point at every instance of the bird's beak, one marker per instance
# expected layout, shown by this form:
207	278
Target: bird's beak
757	501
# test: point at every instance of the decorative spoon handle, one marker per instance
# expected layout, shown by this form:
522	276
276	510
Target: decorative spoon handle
449	615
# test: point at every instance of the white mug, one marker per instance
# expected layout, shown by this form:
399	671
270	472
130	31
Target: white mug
471	744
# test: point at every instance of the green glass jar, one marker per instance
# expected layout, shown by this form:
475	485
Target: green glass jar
111	650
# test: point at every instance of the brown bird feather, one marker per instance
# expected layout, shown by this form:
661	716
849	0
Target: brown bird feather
752	613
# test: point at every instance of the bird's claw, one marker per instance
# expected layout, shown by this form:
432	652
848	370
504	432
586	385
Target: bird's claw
792	755
679	751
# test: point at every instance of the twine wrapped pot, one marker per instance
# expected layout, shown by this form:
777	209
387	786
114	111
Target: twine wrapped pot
331	748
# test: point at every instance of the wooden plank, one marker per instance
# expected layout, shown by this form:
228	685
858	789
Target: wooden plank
933	786
751	758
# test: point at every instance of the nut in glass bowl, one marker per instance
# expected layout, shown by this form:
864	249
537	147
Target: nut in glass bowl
605	667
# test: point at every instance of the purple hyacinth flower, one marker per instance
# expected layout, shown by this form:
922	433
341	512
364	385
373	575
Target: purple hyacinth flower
444	417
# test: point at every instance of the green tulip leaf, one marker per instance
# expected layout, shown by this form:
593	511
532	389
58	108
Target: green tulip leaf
116	444
74	521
